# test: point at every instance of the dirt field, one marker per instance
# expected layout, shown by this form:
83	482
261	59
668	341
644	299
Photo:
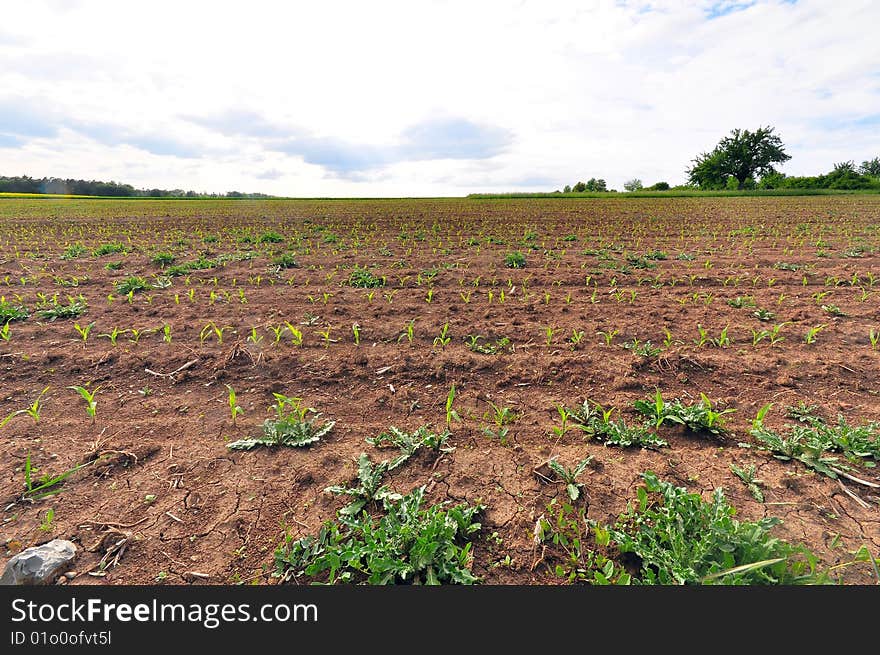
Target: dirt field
162	499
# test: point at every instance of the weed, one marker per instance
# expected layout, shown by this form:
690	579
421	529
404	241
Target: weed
289	428
408	544
46	521
364	279
748	478
73	251
10	312
409	443
515	260
473	343
679	538
369	489
73	309
569	475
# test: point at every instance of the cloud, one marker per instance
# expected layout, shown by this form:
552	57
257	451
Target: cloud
25	119
454	138
271	174
612	89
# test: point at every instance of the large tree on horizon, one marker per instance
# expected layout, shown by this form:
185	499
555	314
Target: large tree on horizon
742	155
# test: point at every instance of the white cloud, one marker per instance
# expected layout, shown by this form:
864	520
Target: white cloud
412	98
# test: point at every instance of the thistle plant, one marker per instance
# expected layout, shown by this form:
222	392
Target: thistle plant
369	488
289	428
569	475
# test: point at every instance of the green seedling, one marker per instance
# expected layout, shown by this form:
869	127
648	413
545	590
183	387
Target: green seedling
234	409
563	426
254	337
296	335
46	485
502	417
569	476
356	331
442	340
113	335
810	336
451	414
46	521
874	338
4	332
748	478
166	333
35	407
89	398
608	336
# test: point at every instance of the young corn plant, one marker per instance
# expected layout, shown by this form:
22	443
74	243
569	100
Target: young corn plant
874	338
83	331
34	409
46	485
290	428
369	488
5	334
234	408
89	398
442	340
810	336
296	335
569	476
502	417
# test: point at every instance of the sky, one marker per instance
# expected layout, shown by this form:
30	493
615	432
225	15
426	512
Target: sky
427	98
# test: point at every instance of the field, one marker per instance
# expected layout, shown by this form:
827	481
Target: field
522	332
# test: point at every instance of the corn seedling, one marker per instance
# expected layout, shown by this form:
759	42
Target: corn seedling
451	414
234	409
46	485
89	398
874	338
569	476
563	426
774	335
296	335
723	340
810	336
4	332
113	335
216	330
442	340
502	417
254	337
703	336
576	337
33	410
608	336
166	333
277	332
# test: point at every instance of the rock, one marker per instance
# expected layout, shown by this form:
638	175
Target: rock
39	564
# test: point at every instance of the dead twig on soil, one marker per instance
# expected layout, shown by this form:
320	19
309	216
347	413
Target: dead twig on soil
852	495
171	375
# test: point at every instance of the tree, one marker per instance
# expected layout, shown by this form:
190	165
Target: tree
567	189
580	187
740	156
634	184
596	185
659	186
871	167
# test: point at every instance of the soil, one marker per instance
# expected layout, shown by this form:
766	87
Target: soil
161	499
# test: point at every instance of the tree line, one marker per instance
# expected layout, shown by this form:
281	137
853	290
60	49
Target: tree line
745	160
56	185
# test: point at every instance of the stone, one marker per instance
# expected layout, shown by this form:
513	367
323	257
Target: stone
39	565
